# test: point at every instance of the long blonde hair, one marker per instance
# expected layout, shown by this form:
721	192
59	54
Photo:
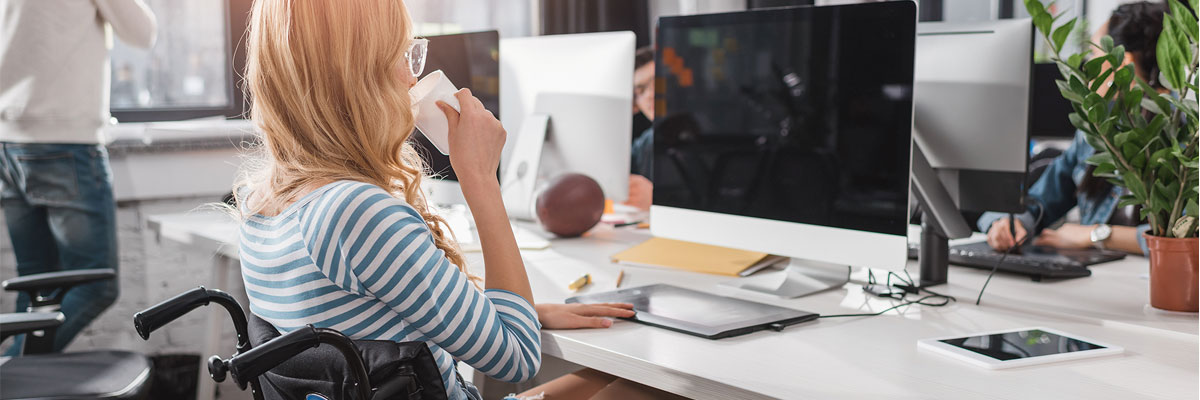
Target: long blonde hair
329	104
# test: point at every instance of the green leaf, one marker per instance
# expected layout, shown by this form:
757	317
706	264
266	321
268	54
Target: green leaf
1067	93
1123	76
1134	98
1096	113
1042	22
1105	170
1170	58
1068	72
1060	34
1162	100
1184	19
1078	122
1106	127
1121	139
1034	7
1100	158
1156	125
1117	55
1127	201
1159	157
1132	153
1094	141
1093	100
1074	60
1151	106
1133	182
1106	43
1092	68
1077	86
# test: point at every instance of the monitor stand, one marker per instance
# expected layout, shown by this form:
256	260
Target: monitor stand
800	278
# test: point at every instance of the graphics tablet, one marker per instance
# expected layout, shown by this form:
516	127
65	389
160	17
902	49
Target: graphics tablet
1018	347
697	313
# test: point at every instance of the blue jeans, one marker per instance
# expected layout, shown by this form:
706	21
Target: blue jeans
58	204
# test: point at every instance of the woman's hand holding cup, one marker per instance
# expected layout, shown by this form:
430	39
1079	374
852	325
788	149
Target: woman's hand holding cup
475	137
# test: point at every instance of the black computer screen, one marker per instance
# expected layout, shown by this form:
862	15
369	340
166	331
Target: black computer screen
799	114
469	60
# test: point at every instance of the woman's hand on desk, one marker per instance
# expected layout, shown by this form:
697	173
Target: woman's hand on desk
577	316
1067	236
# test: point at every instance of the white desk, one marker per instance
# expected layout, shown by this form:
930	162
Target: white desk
871	357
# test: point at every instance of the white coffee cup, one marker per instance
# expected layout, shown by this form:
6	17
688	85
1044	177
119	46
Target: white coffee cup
430	119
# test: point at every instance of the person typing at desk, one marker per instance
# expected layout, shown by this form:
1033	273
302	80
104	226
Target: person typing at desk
335	231
1069	181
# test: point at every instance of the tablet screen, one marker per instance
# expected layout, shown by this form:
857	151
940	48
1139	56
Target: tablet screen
1021	344
708	311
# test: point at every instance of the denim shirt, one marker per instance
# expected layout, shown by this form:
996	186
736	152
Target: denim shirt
642	157
1057	190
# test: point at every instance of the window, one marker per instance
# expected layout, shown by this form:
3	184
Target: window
513	18
187	72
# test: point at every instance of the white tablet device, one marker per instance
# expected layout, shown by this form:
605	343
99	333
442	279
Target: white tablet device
1017	347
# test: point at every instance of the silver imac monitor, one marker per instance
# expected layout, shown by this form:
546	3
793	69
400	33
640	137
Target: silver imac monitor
559	90
972	109
972	127
788	131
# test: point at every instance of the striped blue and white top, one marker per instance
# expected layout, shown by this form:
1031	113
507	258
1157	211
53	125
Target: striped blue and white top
351	257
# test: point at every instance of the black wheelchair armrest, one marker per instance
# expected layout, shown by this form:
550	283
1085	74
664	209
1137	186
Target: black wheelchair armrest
160	314
18	323
248	366
57	280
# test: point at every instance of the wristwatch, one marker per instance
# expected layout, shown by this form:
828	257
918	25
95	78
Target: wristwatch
1099	234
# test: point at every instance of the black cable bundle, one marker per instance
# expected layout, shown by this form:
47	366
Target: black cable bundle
909	288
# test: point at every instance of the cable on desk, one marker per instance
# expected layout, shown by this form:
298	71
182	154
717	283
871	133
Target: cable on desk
908	287
1028	235
920	301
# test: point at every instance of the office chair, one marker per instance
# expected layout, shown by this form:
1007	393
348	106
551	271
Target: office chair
101	374
295	365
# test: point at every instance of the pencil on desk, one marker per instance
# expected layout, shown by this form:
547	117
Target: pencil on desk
620	277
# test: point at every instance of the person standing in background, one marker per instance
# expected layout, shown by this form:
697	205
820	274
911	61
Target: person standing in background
55	182
641	189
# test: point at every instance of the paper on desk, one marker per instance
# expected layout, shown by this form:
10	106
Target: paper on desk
695	257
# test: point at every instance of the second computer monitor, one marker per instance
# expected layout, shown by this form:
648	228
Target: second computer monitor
972	109
787	131
591	65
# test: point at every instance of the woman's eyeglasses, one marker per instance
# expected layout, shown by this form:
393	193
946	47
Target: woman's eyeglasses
416	56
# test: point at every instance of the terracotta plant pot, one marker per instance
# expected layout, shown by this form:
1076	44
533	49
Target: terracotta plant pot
1174	273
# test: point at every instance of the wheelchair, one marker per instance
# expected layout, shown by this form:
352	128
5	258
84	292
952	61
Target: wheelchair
307	363
42	374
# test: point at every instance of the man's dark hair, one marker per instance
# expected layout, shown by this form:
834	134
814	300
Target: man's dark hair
1137	26
643	56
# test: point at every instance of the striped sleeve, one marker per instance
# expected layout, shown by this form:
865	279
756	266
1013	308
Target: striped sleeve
390	254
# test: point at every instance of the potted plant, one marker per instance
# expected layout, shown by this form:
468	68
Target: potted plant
1144	139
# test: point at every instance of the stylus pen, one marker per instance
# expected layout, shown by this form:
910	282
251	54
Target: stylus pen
1012	229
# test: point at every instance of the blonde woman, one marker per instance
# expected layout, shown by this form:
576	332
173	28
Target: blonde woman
335	231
